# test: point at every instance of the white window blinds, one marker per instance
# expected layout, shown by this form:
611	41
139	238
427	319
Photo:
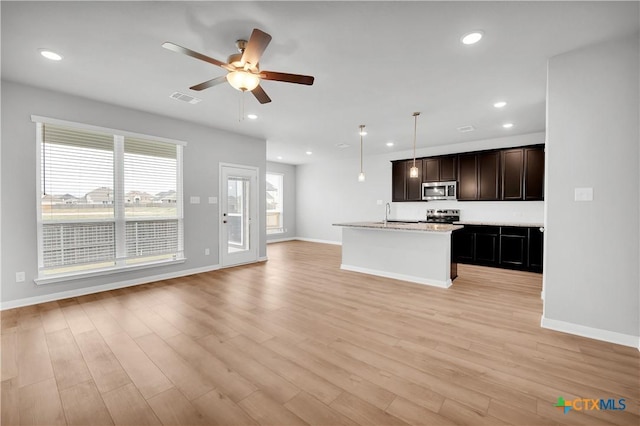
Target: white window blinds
106	200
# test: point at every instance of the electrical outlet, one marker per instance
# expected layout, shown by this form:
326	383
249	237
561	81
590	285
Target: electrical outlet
207	252
20	277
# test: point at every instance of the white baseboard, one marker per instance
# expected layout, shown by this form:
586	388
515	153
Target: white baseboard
591	333
99	288
313	240
401	277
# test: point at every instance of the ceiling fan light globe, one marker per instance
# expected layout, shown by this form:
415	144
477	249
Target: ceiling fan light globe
243	81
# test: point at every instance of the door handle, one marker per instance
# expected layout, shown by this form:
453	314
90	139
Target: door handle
224	221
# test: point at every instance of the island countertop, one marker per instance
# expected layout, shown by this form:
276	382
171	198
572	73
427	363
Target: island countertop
402	226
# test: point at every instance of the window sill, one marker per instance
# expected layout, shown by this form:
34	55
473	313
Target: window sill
103	272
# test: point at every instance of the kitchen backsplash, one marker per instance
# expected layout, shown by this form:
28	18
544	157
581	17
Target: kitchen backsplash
525	212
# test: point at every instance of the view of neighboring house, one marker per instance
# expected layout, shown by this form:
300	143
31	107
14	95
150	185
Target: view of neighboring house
102	195
139	197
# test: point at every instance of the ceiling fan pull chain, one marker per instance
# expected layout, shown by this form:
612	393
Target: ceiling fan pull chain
241	107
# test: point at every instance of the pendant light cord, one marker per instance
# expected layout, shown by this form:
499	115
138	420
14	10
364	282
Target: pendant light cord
361	149
415	130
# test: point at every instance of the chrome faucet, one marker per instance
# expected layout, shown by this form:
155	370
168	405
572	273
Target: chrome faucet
387	212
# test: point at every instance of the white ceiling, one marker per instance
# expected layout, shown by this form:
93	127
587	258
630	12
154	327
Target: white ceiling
375	63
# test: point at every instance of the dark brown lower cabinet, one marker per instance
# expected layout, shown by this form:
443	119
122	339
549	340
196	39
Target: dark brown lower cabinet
486	245
510	247
513	246
535	249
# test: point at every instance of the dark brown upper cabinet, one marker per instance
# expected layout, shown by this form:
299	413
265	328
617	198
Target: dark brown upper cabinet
398	190
489	176
405	188
448	168
479	176
414	185
468	177
431	169
512	176
534	173
522	174
439	169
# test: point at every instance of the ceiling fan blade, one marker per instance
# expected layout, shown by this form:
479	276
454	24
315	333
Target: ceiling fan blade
209	83
179	49
258	42
288	78
261	95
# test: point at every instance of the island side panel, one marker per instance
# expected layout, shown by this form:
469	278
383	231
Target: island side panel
419	257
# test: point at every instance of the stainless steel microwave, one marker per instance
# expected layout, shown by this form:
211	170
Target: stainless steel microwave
439	190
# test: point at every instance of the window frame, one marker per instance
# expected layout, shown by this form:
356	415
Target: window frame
119	220
280	230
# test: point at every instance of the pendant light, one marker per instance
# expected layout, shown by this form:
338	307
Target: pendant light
362	133
413	172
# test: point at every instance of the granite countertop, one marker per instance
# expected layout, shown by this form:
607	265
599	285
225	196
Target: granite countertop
403	226
487	223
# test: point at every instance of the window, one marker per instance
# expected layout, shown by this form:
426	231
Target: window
108	199
275	224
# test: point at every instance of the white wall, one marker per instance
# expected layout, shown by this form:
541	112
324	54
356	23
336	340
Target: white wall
289	199
206	148
329	192
592	250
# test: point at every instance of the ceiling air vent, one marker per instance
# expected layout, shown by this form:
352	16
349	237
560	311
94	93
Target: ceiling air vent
465	129
185	98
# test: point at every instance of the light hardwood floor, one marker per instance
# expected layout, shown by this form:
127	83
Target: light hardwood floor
296	340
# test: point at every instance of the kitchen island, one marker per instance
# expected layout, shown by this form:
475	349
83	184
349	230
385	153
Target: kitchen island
414	252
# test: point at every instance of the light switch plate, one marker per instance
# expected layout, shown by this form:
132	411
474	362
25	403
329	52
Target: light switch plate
583	194
194	199
20	277
213	200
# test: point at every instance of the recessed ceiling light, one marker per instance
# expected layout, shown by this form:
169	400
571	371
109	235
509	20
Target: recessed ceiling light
472	37
390	143
500	104
252	116
279	157
507	125
50	54
309	152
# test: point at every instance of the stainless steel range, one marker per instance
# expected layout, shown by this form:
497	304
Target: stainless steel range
443	215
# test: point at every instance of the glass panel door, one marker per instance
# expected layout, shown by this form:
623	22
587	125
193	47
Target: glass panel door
238	220
238	215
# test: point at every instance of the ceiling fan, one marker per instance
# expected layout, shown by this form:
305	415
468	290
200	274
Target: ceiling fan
244	68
